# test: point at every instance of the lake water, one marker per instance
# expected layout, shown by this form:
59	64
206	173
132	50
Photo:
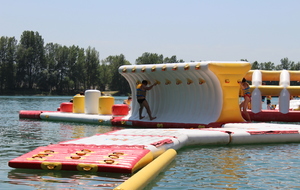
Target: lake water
267	166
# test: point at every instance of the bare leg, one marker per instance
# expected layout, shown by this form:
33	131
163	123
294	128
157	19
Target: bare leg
146	105
241	104
140	111
245	106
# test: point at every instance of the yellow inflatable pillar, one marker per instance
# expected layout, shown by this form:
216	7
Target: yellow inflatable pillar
229	74
78	104
105	105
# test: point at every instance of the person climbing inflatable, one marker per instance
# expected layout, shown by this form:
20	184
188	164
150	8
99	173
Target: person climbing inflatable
141	98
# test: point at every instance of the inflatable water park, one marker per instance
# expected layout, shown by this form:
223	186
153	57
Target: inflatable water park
187	95
195	104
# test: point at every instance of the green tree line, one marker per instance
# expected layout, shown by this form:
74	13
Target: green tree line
29	66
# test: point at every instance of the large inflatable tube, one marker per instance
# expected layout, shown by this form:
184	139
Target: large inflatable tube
148	173
33	114
273	75
81	118
27	114
198	92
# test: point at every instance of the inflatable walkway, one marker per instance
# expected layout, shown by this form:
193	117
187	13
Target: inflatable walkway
128	150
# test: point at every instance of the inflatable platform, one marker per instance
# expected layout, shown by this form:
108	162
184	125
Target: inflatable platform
288	109
188	95
128	150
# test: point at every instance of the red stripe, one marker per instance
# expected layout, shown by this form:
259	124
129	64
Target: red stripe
272	132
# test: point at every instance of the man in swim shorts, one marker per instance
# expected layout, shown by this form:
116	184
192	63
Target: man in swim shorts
141	98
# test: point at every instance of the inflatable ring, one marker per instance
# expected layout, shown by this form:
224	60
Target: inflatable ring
40	155
81	153
113	156
51	167
86	150
48	151
75	157
118	153
109	161
36	157
87	168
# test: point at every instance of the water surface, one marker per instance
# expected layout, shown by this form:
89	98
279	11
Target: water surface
267	166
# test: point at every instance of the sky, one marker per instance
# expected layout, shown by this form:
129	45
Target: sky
193	30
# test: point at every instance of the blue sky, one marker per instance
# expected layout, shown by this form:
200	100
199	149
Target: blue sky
222	30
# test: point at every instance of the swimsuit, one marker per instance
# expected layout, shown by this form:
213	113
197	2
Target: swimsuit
268	100
141	100
247	92
140	94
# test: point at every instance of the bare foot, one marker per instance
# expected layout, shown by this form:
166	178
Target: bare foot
152	118
142	117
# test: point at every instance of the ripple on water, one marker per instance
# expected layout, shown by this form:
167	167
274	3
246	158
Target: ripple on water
229	167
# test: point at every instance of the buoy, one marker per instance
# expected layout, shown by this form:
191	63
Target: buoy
120	109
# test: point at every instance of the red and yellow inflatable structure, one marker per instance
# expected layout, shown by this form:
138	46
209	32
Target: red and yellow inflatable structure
188	95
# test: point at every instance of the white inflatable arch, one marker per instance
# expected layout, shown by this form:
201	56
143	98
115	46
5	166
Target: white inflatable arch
196	92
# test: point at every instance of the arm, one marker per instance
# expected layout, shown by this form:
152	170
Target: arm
241	85
244	85
150	87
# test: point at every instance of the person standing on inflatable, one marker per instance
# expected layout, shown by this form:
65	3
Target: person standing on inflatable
247	98
141	90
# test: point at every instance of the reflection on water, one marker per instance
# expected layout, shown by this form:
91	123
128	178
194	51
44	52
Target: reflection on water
64	179
269	166
233	167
